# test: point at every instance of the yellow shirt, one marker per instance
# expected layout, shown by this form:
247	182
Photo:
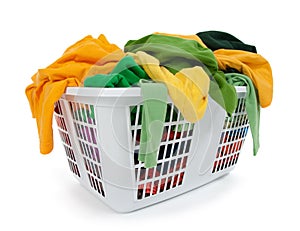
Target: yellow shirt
83	58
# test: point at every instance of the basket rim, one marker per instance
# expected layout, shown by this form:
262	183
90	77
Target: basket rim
116	92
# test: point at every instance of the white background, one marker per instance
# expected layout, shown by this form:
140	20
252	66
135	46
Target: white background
39	193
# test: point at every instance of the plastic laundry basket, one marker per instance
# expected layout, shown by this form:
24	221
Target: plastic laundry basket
100	130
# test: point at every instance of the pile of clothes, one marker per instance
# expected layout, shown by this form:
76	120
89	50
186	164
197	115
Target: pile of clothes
188	68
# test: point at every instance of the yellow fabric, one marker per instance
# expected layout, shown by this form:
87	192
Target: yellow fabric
254	66
50	83
190	37
188	88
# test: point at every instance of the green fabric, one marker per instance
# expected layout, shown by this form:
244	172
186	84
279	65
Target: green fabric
153	118
125	74
221	40
109	80
129	68
177	53
223	93
251	103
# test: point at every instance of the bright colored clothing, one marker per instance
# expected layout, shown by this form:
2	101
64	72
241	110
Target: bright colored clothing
251	104
106	64
124	74
153	117
67	71
176	53
252	65
188	88
109	80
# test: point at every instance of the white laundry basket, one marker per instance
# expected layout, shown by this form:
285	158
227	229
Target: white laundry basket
100	130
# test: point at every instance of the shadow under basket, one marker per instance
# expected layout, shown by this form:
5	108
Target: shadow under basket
100	130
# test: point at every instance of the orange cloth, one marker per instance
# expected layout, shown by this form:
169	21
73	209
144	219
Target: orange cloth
190	37
254	66
80	59
105	64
